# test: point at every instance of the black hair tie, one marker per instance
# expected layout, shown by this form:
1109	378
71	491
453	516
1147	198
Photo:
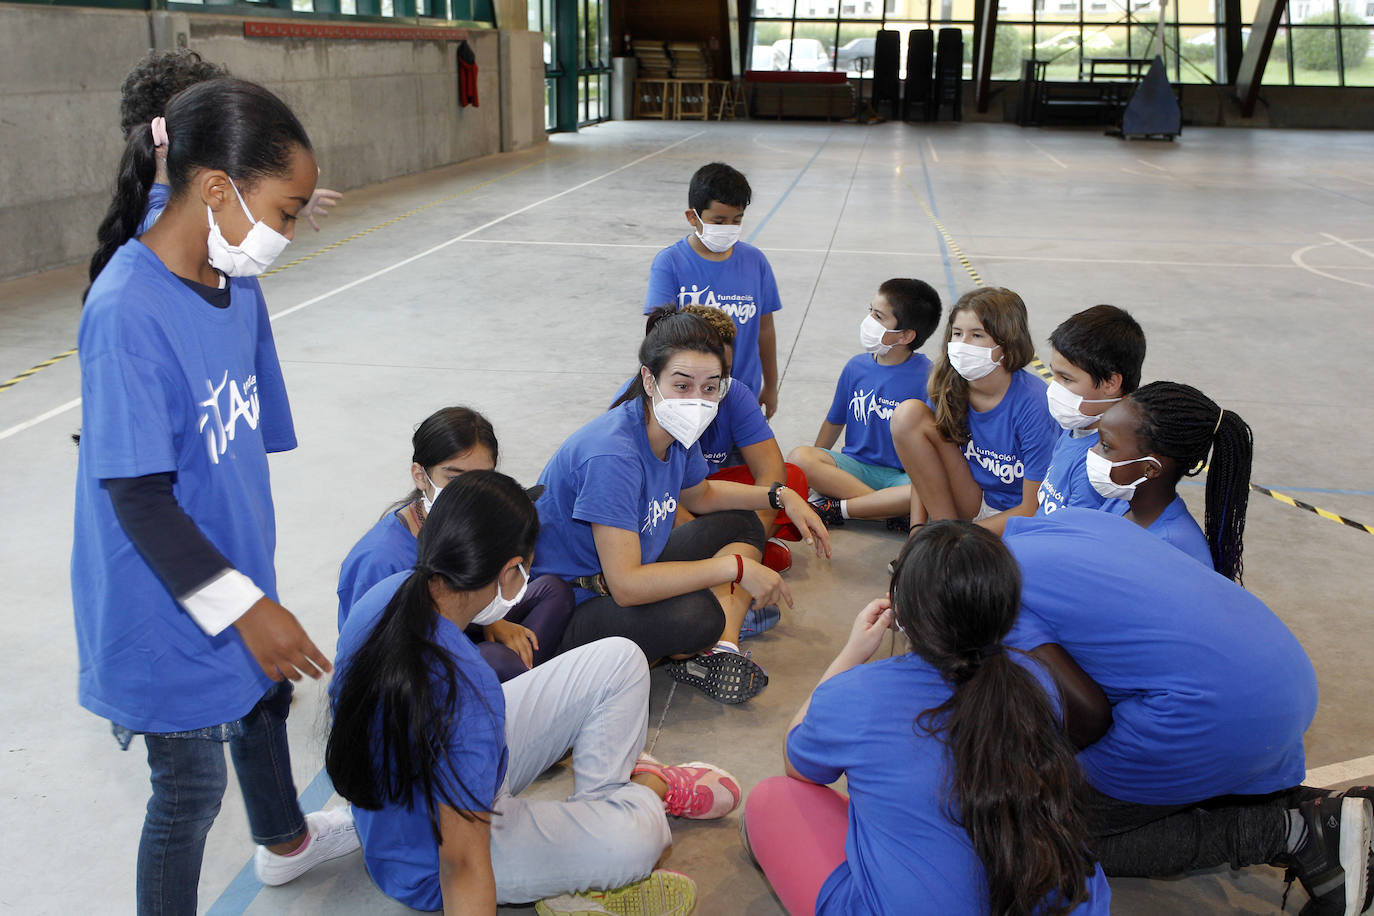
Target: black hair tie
990	650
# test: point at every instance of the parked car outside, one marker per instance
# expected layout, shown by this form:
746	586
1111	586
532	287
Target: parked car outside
806	53
847	55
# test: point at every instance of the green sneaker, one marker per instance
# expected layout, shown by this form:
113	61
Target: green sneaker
663	893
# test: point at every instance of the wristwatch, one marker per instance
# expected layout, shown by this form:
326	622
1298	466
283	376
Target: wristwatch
775	496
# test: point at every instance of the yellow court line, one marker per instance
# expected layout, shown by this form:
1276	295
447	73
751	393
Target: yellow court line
1043	371
33	370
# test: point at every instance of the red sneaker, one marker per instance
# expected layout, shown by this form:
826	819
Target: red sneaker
776	556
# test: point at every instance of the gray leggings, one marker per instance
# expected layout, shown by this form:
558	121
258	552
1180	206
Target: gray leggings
1157	841
677	625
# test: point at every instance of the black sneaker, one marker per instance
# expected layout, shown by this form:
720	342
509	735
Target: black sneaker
722	674
1333	861
829	511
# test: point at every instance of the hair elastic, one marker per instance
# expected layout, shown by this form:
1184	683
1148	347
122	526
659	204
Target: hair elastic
1219	416
159	126
990	650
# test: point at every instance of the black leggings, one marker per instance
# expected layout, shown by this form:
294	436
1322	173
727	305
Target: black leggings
677	625
1159	841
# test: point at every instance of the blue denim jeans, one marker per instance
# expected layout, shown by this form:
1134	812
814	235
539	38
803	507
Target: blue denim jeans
189	777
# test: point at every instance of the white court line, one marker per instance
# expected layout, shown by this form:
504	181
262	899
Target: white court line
57	411
1351	245
1048	156
934	155
1152	165
1348	771
1297	258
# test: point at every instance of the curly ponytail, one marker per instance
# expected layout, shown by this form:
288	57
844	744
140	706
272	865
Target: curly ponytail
1018	790
137	166
1183	424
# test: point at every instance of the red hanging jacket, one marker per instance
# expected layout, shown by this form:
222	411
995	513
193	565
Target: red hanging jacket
467	76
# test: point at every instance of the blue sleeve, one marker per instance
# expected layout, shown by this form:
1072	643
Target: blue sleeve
696	468
1036	432
663	285
813	747
748	426
158	195
769	300
131	407
839	405
357	579
476	761
278	429
611	492
1029	631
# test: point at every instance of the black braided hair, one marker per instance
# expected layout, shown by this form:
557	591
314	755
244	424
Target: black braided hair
1183	424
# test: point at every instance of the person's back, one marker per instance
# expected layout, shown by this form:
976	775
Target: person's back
1211	693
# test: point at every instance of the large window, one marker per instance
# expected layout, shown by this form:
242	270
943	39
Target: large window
1322	42
577	60
481	13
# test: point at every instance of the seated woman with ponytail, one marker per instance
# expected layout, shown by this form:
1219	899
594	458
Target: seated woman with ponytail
1158	434
612	491
433	753
964	797
449	443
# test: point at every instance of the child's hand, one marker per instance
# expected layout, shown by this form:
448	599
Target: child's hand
319	205
768	400
520	640
868	631
809	524
279	643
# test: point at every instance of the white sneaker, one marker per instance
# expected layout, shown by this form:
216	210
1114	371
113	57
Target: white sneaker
331	834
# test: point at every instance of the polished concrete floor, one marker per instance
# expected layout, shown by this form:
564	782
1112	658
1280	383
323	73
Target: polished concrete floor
513	284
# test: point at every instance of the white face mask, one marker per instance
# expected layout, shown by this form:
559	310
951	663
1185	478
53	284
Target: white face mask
259	248
428	501
1064	406
500	606
715	237
971	362
685	419
871	333
1100	476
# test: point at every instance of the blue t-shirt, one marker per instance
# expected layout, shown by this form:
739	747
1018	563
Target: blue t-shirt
606	474
865	397
171	384
1066	480
1176	526
387	548
739	422
1012	442
398	843
1210	692
158	195
902	845
742	286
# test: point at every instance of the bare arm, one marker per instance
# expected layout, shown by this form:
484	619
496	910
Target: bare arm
1087	711
721	495
465	878
768	359
764	460
829	434
998	523
633	583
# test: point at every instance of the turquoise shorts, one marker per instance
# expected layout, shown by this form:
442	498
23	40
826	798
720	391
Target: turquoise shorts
874	476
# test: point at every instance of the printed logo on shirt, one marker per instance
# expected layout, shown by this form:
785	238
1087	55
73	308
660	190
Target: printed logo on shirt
864	404
1048	497
715	457
739	306
222	410
1006	468
658	512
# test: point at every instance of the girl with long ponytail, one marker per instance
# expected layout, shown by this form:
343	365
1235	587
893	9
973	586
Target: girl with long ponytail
433	752
180	635
963	789
1159	434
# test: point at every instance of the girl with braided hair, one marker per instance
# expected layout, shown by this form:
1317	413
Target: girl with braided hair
964	793
1151	440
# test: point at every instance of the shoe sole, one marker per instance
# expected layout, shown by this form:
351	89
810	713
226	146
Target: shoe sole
663	893
723	676
1355	851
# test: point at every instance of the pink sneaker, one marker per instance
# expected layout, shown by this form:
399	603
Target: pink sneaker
697	790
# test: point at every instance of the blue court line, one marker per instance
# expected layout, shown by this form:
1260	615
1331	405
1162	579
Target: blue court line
244	888
944	249
1202	483
759	228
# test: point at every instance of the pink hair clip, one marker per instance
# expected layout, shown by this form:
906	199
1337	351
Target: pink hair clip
159	131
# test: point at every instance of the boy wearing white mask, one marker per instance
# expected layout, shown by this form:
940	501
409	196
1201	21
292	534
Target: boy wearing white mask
982	445
712	267
1096	362
606	521
866	480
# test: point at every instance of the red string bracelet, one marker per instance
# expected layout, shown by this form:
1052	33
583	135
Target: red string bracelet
739	574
